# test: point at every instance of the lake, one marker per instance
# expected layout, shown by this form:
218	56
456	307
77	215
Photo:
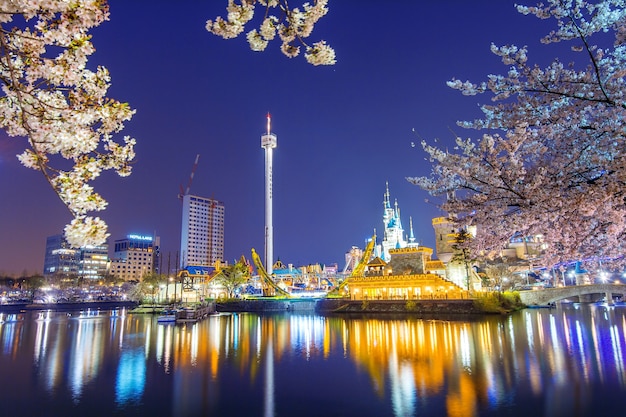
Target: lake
566	361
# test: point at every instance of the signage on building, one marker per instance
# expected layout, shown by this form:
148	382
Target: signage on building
140	237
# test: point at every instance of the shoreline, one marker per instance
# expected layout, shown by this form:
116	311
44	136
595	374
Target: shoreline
345	306
335	306
96	305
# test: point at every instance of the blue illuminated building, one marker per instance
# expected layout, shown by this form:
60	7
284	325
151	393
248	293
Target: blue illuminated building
61	259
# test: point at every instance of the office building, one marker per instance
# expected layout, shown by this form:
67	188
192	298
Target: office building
135	256
94	262
202	231
61	259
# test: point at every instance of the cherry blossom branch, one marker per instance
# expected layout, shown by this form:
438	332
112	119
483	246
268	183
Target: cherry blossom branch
291	25
60	106
558	170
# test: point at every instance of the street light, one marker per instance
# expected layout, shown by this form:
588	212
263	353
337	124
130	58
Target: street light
604	276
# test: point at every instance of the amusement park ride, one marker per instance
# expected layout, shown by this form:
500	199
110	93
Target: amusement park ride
194	278
359	269
269	286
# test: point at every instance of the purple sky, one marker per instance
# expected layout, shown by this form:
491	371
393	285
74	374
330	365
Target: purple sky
343	131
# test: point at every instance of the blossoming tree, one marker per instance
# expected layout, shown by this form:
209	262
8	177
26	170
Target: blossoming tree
60	106
551	161
292	24
51	97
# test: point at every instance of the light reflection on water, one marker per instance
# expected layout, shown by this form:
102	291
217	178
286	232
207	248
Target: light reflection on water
565	360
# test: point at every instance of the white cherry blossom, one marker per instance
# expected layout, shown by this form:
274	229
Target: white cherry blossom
293	25
50	98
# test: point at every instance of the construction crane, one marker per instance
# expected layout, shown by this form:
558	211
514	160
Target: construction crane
185	191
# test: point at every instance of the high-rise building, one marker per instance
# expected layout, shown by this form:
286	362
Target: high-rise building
89	262
61	259
135	256
94	262
202	231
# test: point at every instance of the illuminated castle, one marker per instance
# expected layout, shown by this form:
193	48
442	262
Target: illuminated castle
401	269
393	236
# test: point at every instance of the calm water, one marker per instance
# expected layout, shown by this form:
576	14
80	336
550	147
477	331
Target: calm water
567	361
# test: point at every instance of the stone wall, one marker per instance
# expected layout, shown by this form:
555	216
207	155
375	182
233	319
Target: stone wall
339	305
408	263
426	307
269	305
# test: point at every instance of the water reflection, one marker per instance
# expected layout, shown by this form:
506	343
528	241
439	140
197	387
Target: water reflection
570	358
131	374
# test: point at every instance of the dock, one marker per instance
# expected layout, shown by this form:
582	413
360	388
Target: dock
191	314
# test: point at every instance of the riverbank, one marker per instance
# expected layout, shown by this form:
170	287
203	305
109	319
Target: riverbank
94	305
339	306
273	305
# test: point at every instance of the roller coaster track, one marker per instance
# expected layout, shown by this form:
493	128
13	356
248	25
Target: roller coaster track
267	280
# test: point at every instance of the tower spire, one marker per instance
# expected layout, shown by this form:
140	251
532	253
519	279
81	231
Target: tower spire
387	198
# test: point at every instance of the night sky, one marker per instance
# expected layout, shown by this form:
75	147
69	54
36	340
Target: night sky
343	131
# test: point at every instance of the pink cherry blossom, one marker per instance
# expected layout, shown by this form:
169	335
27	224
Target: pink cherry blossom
551	163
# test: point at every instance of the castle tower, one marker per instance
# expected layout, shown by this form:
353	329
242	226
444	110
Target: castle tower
412	242
444	238
268	142
393	236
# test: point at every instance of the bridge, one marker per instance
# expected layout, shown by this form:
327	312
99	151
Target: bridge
584	293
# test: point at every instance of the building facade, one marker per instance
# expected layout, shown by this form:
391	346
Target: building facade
410	274
135	257
94	262
61	259
202	231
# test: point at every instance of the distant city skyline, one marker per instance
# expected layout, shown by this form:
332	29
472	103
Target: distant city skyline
345	130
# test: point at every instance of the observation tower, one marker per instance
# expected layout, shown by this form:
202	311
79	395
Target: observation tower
268	142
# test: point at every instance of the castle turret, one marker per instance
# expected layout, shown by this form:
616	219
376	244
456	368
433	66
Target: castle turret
393	236
444	238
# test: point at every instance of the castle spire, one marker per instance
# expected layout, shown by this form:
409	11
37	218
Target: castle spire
387	202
